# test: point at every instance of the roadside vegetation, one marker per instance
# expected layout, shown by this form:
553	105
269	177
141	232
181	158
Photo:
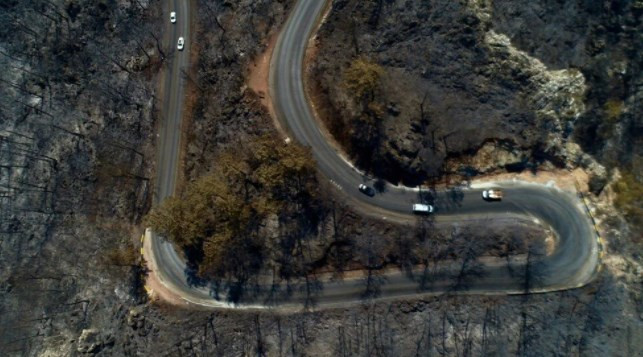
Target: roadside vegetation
361	81
126	260
263	196
362	78
629	198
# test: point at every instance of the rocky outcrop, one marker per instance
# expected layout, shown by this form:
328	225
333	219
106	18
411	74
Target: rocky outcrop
457	79
602	41
91	341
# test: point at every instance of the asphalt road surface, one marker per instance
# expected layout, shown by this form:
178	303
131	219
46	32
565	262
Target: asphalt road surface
572	264
170	266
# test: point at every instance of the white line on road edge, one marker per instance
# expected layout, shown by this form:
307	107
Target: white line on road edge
337	185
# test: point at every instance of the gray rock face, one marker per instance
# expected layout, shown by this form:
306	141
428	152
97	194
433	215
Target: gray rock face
90	341
602	40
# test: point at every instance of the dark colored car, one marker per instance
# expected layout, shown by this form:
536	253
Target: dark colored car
368	191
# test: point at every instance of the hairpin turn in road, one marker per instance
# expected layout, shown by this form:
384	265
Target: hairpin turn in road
573	263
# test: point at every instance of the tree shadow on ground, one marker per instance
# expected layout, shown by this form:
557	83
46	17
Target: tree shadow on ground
373	282
380	185
235	291
193	256
427	195
456	195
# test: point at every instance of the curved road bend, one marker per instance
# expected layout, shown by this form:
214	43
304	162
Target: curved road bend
573	263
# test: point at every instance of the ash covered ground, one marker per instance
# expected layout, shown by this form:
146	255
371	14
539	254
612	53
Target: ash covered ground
78	110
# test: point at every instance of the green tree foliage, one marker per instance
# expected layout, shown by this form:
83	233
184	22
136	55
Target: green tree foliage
122	257
629	197
223	215
362	78
613	109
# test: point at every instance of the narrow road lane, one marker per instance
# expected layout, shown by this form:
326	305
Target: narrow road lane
170	266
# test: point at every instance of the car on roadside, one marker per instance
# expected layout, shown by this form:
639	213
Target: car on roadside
492	195
172	17
367	190
180	44
421	208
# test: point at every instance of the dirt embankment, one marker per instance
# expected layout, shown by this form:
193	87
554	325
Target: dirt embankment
155	288
259	74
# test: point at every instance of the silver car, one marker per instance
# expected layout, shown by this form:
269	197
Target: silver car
421	208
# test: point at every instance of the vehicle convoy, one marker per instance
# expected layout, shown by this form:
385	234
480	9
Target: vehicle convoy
421	208
180	43
492	195
367	190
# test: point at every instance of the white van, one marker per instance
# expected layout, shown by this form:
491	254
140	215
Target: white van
422	208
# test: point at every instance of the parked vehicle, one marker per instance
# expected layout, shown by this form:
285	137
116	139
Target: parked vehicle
492	195
421	208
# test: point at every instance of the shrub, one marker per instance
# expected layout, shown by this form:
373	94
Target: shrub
613	109
629	197
362	78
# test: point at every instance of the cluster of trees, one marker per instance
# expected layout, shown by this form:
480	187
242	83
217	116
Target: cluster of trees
362	82
224	219
362	78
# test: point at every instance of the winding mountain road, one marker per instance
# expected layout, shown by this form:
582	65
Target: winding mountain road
573	263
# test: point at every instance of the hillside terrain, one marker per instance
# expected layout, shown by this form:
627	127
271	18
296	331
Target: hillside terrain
77	116
481	87
79	110
79	113
428	92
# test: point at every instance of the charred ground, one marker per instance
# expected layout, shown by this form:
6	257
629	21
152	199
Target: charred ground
77	127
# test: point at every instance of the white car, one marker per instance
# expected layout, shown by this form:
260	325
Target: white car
492	195
422	208
180	44
172	17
